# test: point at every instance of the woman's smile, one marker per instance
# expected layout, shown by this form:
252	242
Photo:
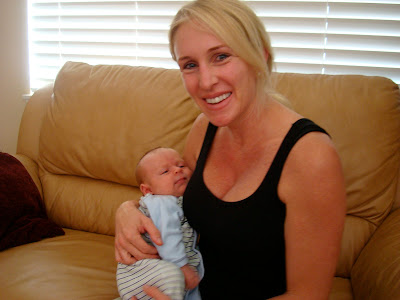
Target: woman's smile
218	99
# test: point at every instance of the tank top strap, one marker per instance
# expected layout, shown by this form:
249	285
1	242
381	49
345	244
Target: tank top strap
300	128
205	148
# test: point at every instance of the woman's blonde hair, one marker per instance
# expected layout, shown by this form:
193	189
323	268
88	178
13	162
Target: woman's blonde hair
234	23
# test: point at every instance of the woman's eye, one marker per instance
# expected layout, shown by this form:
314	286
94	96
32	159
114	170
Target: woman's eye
221	57
189	66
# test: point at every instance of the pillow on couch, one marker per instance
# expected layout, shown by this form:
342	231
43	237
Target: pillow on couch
23	217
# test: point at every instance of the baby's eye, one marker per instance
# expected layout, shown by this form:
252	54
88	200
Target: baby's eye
164	172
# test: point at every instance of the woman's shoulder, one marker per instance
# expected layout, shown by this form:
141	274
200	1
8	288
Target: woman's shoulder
314	149
313	159
201	122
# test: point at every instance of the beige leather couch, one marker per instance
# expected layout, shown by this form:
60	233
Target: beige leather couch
81	139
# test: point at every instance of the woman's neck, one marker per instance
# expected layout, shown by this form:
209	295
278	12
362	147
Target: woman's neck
254	123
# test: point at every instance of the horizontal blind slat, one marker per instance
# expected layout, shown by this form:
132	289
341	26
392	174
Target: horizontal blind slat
364	27
363	58
366	11
363	43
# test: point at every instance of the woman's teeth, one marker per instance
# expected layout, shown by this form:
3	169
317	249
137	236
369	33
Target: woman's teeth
218	99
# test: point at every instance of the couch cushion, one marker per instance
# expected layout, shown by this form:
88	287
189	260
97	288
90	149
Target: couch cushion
341	289
104	118
376	274
78	265
23	217
84	203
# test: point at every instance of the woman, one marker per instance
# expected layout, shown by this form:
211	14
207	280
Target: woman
267	193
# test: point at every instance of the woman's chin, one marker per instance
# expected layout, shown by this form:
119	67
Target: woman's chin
220	119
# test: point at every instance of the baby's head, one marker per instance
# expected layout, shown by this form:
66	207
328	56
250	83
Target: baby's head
162	171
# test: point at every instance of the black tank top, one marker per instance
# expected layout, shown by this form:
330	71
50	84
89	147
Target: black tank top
242	243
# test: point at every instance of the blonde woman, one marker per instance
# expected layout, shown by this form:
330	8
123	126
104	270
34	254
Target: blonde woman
267	193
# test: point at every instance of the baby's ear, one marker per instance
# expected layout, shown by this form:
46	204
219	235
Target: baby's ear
145	189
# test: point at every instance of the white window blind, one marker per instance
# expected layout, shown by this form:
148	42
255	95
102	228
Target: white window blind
315	36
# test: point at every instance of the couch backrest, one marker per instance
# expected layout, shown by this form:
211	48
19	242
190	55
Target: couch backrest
102	119
362	115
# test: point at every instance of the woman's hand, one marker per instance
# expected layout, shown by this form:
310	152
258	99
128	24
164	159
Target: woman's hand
154	293
191	277
130	223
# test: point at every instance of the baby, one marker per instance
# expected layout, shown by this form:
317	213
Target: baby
162	177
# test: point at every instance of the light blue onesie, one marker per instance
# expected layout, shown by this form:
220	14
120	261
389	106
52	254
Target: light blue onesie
178	249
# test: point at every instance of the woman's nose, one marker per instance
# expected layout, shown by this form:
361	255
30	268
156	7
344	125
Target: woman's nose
207	77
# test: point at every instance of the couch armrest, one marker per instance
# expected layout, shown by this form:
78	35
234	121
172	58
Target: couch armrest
376	273
33	169
31	122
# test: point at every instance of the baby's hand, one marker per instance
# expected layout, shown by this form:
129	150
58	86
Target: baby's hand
191	277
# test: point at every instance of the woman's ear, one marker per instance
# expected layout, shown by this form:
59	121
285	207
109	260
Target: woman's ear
145	189
266	55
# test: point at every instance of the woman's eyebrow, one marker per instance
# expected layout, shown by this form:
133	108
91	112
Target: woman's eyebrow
216	48
212	49
183	58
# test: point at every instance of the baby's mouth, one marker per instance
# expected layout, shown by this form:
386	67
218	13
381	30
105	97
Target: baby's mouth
218	99
180	180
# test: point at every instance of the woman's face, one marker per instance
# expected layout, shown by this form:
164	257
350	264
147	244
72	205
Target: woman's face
221	83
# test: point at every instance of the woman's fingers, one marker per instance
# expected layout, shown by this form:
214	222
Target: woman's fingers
152	230
129	243
128	253
124	257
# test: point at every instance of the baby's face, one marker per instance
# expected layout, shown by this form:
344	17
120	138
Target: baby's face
166	172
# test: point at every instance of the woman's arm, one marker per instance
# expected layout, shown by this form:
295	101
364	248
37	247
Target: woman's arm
130	223
312	187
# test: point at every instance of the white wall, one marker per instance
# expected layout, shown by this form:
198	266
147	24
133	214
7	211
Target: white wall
14	78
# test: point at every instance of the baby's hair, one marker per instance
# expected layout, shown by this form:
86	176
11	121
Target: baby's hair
138	172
